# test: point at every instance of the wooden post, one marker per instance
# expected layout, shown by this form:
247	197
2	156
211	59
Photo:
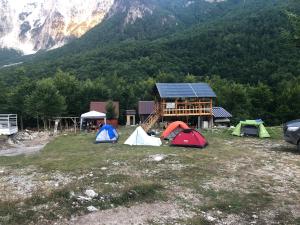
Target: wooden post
21	122
210	106
37	120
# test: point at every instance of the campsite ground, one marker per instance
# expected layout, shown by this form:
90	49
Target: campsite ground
232	181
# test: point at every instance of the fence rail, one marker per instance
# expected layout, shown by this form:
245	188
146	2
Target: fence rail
8	124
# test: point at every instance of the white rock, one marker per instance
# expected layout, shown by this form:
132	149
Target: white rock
254	216
158	157
91	193
92	208
103	168
210	218
83	198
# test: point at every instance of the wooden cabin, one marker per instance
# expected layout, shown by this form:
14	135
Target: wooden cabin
182	100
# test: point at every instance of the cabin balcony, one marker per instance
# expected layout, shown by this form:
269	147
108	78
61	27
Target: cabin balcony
198	108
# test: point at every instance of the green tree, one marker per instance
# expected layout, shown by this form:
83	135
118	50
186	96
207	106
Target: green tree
45	101
190	78
17	99
3	98
69	87
261	102
295	33
288	101
110	110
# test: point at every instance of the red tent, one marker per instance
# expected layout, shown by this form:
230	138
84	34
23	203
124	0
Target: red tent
173	129
189	138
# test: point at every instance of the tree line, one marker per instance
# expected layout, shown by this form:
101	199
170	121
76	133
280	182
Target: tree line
65	95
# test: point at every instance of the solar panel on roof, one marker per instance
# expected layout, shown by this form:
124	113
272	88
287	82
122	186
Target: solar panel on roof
181	90
220	112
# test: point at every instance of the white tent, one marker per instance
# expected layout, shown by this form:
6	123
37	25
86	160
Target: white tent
140	137
92	115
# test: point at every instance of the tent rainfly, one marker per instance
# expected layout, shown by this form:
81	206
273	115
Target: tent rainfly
140	137
246	128
173	129
93	115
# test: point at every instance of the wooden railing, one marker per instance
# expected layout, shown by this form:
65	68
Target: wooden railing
187	109
152	118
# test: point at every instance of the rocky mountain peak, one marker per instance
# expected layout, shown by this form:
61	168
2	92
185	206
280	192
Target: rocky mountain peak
33	25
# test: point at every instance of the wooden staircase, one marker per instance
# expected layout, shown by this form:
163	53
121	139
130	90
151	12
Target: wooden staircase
152	118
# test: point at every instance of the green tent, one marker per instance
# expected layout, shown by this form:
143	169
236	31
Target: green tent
262	131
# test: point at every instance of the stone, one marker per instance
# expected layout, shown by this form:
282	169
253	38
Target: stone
92	208
83	198
91	193
210	218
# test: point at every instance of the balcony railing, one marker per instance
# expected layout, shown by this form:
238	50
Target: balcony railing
186	108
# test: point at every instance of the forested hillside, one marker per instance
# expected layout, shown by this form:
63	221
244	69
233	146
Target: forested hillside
245	49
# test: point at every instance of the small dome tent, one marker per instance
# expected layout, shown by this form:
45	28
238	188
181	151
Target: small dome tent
140	137
251	128
107	134
189	138
173	129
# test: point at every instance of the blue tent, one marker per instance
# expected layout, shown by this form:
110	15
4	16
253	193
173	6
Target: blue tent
107	134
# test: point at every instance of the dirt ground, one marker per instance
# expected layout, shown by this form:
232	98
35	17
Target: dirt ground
273	167
24	143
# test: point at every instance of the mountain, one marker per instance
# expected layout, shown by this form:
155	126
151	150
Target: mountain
178	36
33	25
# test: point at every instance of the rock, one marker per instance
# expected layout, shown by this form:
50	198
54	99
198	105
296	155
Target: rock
92	208
103	168
83	198
254	216
210	218
157	157
91	193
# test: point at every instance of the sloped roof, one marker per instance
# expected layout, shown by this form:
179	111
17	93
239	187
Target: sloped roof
185	90
101	107
219	112
146	107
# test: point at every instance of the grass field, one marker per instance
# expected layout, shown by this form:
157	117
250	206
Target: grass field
232	181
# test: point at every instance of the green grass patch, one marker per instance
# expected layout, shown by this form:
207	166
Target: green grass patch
60	204
234	202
